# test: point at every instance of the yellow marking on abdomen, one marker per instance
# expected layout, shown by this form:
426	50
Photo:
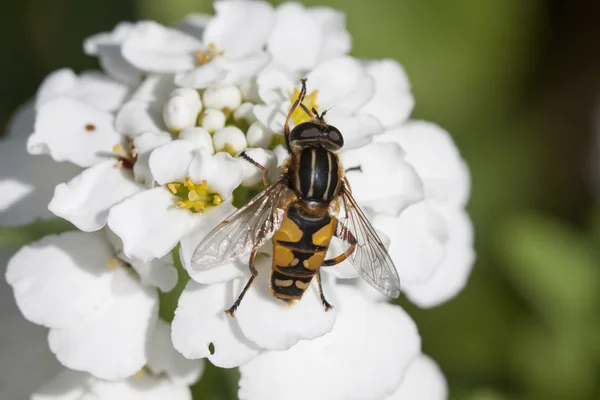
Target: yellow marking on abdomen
282	283
302	285
322	237
314	262
282	256
288	232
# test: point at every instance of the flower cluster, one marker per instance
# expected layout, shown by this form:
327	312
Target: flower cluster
142	158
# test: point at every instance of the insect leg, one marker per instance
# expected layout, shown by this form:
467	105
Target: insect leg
323	300
347	236
231	310
357	168
286	126
264	170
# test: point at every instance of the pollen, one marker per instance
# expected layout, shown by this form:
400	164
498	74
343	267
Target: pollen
310	101
204	56
195	197
125	156
112	264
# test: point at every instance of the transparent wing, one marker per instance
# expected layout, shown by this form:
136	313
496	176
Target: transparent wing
249	227
370	258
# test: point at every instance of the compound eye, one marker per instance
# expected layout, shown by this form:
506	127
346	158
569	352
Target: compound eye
305	131
335	136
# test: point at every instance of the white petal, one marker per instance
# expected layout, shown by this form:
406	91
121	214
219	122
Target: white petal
21	122
199	136
57	83
272	115
343	84
111	342
155	88
25	191
275	325
222	172
137	117
241	70
453	272
160	273
107	46
23	347
387	183
335	38
276	84
70	130
392	102
203	76
93	44
171	162
86	199
200	320
144	144
364	357
154	48
194	24
423	381
417	241
72	385
93	88
149	223
295	40
435	157
163	358
189	243
48	274
221	70
358	130
240	28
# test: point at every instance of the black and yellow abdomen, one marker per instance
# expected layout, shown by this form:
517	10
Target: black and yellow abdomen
299	247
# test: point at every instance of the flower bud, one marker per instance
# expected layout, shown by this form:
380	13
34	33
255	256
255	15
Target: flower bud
182	109
244	113
199	136
224	98
249	91
259	135
212	120
254	175
230	139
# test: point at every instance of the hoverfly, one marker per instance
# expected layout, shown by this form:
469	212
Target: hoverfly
308	205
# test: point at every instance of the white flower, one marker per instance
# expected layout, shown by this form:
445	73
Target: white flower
101	316
195	189
304	37
447	254
159	138
364	357
361	99
73	385
26	192
23	347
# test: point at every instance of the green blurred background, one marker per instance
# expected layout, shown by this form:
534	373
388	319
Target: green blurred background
517	82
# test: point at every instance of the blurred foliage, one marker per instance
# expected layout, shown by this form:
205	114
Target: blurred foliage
514	81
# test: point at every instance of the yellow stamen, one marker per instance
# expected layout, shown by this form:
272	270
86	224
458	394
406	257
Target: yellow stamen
204	56
310	101
196	197
113	263
140	374
173	187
